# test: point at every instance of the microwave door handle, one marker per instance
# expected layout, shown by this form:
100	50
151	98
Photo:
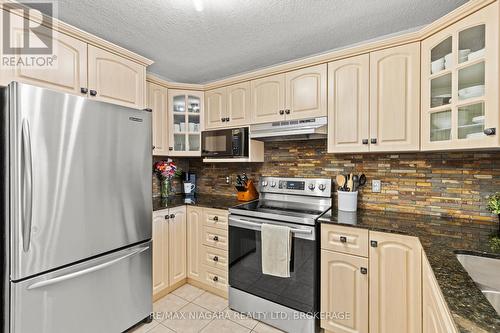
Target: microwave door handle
258	225
26	185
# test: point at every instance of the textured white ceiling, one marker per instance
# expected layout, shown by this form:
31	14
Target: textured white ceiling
228	37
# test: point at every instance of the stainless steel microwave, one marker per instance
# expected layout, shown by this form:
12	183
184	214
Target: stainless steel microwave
231	142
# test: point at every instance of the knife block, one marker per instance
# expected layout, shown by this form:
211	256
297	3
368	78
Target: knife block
249	194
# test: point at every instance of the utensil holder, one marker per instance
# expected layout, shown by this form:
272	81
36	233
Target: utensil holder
347	201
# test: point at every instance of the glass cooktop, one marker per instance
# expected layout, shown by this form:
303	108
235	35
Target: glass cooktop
282	208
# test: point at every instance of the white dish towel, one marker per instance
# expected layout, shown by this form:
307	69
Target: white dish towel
276	249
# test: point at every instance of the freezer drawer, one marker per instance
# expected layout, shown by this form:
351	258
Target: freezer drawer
107	294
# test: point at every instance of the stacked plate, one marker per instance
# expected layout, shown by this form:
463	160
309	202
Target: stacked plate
471	92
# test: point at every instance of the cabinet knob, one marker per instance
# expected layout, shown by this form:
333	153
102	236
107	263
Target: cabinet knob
170	148
148	110
363	270
216	258
167	217
84	90
216	218
373	243
287	111
365	141
282	111
343	239
223	119
227	118
216	238
490	131
374	141
93	92
215	279
172	216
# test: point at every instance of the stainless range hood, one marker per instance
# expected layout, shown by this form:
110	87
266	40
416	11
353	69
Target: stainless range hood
304	129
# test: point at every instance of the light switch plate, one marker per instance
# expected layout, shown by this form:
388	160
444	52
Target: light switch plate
376	186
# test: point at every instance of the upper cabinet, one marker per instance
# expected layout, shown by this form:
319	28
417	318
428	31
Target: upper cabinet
115	79
185	120
157	101
306	93
460	66
348	105
228	106
395	98
294	95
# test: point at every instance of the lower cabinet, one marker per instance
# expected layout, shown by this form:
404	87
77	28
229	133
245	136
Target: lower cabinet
344	287
388	289
169	249
436	316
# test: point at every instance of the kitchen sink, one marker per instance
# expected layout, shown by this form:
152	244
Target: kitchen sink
485	272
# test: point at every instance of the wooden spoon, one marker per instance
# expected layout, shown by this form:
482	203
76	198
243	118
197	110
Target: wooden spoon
340	181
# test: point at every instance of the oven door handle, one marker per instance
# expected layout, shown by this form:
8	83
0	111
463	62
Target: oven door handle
258	225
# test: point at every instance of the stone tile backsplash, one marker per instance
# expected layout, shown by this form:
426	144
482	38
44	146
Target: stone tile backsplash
445	184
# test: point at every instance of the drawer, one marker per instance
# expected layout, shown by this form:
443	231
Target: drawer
215	277
215	237
344	239
214	257
216	218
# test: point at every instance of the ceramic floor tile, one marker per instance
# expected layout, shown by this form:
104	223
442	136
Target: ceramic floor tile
188	292
224	326
161	329
211	302
143	328
263	328
169	303
191	318
240	318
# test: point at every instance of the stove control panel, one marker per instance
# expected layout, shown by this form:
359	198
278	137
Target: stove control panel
321	187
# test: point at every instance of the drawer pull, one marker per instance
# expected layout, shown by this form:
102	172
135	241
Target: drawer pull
84	90
216	238
343	239
167	217
215	218
373	243
363	270
172	216
215	279
93	92
216	258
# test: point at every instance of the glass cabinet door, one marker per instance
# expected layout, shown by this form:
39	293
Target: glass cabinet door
185	118
460	84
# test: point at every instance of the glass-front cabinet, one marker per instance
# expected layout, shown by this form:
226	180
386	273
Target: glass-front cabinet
460	74
185	122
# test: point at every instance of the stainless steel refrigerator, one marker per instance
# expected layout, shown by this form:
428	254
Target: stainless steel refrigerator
76	213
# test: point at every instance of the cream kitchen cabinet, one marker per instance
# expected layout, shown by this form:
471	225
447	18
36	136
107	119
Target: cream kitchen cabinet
348	105
435	312
157	98
169	249
177	244
395	99
294	95
395	283
114	79
344	289
160	251
194	242
460	84
185	121
228	106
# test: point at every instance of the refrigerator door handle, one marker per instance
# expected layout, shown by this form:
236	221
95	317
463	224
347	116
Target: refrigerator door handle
27	185
86	270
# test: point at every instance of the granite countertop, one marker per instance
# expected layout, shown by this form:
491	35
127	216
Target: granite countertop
441	238
201	200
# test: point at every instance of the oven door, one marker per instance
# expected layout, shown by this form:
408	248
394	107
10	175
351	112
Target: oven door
300	290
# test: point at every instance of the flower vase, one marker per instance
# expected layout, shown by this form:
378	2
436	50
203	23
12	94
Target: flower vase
165	188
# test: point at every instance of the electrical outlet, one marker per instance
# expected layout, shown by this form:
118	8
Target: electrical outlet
376	186
228	180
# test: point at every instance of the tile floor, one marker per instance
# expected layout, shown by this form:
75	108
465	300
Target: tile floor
173	312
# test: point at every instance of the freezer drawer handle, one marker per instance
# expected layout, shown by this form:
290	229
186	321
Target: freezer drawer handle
86	271
27	185
294	230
